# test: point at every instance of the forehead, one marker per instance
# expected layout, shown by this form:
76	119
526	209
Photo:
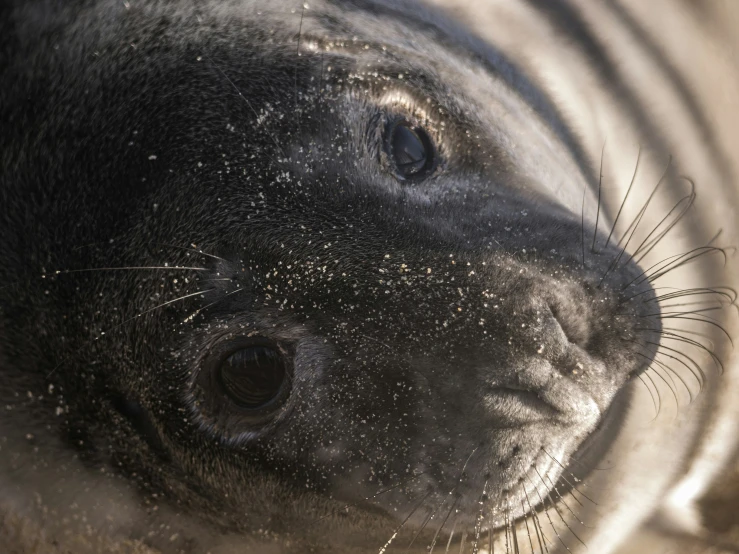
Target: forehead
402	51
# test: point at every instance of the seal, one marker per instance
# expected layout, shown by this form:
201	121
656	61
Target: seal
343	277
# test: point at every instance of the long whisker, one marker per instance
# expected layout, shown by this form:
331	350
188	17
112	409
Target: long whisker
528	530
681	263
491	519
478	523
633	226
516	550
507	523
700	291
451	535
199	310
640	214
696	317
549	517
716	359
556	509
672	387
141	314
193	248
672	371
626	196
582	231
451	492
424	523
563	501
462	542
682	207
402	524
443	523
667	262
535	517
600	190
659	395
572	485
125	268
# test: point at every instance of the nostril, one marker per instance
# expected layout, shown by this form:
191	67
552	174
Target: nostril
573	322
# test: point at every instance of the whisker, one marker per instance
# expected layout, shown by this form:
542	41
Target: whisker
675	258
669	336
513	527
125	268
633	226
451	492
526	522
640	214
438	531
561	498
424	523
102	333
673	387
507	527
690	332
682	206
672	371
565	470
698	291
575	461
556	509
582	231
705	303
402	524
600	189
451	535
199	310
693	255
549	517
651	394
698	316
193	248
491	547
659	396
626	196
535	517
462	542
478	523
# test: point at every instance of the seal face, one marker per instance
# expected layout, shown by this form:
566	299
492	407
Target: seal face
339	291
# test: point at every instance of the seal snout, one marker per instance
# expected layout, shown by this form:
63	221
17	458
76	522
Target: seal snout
568	359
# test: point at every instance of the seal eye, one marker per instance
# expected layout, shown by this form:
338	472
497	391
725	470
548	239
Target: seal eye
253	377
411	151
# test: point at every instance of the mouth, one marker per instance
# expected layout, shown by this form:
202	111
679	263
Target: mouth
558	468
512	406
547	398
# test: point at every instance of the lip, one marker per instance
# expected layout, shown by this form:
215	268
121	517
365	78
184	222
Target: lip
515	406
559	399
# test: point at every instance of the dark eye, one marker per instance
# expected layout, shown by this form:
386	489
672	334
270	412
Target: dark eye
410	150
254	377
